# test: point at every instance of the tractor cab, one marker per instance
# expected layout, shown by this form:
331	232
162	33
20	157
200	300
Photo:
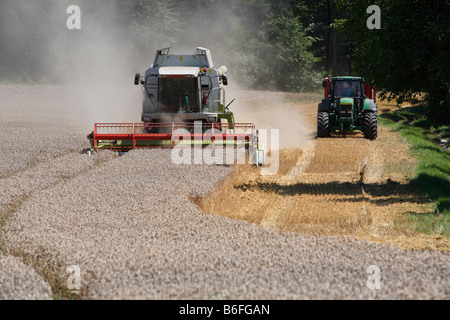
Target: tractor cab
347	89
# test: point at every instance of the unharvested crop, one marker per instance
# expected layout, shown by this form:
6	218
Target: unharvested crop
129	223
21	282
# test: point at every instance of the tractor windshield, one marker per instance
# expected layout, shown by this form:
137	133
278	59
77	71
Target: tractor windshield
178	94
347	89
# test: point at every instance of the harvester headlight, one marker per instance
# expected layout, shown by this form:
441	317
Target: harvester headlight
211	119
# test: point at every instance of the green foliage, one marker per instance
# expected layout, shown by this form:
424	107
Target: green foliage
292	62
409	54
275	54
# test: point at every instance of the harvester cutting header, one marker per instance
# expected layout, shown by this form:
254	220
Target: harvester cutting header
183	105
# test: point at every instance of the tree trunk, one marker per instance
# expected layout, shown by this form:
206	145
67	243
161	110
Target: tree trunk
328	40
333	53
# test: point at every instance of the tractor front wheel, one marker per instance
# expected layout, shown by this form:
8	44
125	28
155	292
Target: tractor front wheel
323	123
370	125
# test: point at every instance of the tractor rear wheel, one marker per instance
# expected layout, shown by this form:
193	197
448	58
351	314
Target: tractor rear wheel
323	122
370	125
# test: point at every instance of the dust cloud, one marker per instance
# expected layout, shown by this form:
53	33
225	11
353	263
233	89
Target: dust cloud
271	110
98	62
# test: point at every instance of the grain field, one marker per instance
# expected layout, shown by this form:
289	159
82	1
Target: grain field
141	227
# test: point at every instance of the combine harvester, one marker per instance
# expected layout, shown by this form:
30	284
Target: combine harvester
183	106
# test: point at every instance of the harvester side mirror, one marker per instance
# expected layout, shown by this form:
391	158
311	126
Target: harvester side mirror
137	78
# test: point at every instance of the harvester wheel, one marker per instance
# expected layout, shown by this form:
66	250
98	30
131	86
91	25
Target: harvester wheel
370	125
323	122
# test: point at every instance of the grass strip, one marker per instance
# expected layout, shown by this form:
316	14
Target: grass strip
432	173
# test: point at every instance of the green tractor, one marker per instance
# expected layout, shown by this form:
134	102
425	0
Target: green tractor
349	104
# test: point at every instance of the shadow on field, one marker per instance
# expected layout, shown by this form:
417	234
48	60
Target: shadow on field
440	189
379	194
390	116
346	134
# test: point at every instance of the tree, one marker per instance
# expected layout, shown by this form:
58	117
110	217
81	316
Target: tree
273	48
409	54
291	62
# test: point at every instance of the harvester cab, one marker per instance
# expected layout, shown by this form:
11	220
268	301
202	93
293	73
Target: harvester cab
183	106
349	104
184	88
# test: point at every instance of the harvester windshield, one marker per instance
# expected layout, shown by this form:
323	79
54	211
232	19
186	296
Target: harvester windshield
347	89
177	94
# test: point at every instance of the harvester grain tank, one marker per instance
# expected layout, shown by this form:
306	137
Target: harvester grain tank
349	104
